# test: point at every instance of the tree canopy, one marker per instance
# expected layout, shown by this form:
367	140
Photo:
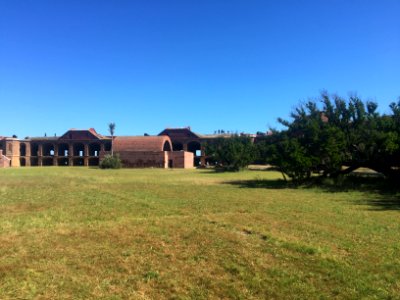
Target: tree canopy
335	136
233	153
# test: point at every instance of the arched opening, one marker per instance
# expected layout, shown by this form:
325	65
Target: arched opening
167	146
63	161
79	150
107	146
47	161
34	161
48	149
22	150
93	161
94	149
78	161
22	162
195	148
34	150
177	146
63	150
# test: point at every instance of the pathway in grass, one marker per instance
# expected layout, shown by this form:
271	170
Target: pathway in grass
189	234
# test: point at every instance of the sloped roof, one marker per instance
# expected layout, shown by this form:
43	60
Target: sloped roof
185	132
140	143
81	134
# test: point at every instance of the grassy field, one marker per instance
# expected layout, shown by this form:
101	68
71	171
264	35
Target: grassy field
78	233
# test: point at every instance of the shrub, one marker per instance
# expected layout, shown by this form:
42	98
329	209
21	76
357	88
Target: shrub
110	162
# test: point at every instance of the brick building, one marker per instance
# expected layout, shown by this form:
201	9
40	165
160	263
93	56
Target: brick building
171	148
87	147
187	140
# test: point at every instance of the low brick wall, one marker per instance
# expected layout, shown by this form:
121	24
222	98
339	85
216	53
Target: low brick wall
143	159
154	159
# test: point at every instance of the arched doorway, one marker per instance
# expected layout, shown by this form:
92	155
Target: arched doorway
167	146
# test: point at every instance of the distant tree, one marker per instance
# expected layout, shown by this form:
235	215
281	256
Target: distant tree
111	129
231	154
14	136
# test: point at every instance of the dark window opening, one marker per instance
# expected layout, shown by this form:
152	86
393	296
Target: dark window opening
79	150
48	150
63	161
167	146
63	150
34	161
22	149
47	161
177	146
79	162
34	149
107	146
94	161
94	149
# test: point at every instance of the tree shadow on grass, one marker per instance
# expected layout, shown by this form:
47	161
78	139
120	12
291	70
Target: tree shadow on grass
386	194
262	184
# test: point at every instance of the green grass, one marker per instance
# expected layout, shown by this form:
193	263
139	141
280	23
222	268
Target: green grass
78	233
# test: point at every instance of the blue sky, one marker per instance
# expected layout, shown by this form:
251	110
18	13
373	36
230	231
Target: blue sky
210	64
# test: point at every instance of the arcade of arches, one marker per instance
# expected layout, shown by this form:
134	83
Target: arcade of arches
62	153
173	147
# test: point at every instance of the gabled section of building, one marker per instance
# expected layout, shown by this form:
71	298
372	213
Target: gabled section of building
81	134
179	133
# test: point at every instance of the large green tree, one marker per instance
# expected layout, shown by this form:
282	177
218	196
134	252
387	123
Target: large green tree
231	153
335	136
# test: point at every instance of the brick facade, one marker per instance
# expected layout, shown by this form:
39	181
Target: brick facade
87	148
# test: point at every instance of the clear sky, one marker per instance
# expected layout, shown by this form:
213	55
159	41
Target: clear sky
209	64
